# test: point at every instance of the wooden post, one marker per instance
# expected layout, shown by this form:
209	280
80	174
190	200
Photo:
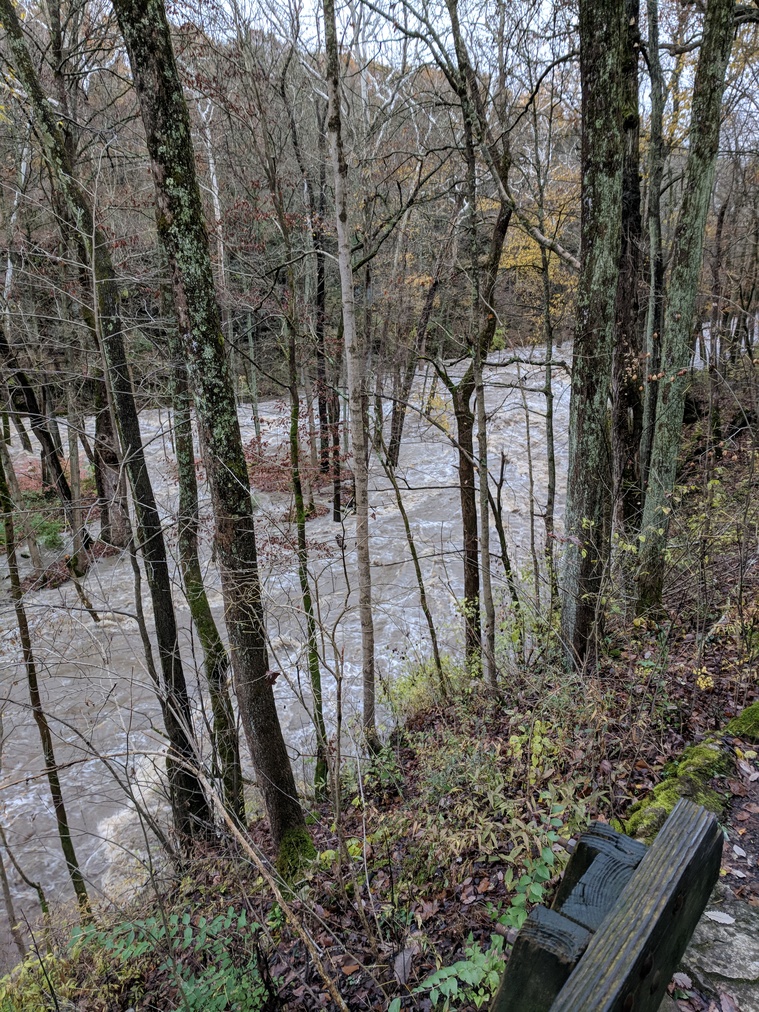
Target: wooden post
631	959
620	922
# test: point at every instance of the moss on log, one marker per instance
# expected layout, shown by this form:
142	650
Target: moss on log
746	724
692	776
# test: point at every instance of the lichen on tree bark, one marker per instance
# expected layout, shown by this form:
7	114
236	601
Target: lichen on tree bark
184	239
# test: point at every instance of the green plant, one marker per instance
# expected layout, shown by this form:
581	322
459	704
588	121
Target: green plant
381	776
469	981
48	532
538	744
44	519
39	983
417	688
211	974
276	919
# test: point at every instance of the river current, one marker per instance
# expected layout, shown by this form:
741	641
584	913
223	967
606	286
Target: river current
97	692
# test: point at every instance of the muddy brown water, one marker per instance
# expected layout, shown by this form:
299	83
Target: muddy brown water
97	692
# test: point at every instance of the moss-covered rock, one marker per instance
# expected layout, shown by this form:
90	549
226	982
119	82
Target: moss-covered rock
688	777
746	724
295	852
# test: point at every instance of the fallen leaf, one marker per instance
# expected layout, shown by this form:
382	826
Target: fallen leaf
727	1004
429	909
350	968
751	806
483	886
738	851
719	916
738	788
682	980
742	816
402	964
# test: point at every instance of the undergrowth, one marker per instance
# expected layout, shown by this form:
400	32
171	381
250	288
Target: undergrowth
44	517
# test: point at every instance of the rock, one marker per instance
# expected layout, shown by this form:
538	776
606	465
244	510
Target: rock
725	957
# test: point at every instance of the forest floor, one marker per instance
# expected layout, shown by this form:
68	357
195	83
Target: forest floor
430	856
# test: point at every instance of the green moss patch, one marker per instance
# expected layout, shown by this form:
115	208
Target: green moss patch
295	852
690	777
746	724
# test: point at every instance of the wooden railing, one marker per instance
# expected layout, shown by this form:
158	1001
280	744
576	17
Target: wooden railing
621	920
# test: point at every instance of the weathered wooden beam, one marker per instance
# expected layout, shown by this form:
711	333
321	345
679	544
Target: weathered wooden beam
630	960
599	838
545	953
599	889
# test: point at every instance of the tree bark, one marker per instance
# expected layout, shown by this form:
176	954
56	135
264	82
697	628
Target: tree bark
464	416
655	307
115	528
490	670
312	644
184	240
215	660
589	487
355	360
627	365
686	260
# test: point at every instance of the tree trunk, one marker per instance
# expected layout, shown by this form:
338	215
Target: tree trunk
489	666
27	529
184	240
443	680
462	411
189	807
115	528
355	359
408	371
627	367
25	402
312	646
35	698
316	215
215	660
686	260
655	307
589	487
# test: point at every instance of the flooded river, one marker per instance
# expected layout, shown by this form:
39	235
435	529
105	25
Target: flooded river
98	695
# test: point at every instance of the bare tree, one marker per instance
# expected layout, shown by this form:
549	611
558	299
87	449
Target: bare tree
184	240
355	358
589	488
685	270
35	699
